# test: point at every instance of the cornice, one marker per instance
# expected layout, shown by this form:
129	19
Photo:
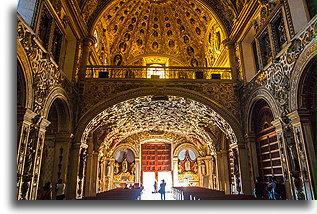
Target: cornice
243	20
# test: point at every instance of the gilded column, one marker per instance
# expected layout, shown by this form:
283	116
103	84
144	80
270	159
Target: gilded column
209	170
25	128
284	159
175	171
302	155
36	141
137	170
201	171
111	173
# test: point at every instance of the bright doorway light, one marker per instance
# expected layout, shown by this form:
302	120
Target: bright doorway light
156	70
167	176
148	181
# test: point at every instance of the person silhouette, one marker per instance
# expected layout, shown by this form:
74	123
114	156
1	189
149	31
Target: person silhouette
162	189
155	187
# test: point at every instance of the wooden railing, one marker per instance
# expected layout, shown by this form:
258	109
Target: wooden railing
143	72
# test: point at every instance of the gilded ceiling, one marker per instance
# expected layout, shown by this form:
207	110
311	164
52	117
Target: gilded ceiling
184	32
158	117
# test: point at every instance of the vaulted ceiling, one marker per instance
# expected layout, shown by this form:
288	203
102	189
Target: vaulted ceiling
168	117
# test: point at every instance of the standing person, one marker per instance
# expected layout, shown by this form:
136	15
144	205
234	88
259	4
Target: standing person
46	193
271	188
60	190
162	190
280	189
155	186
259	189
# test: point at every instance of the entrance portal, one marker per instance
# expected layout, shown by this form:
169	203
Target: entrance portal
156	165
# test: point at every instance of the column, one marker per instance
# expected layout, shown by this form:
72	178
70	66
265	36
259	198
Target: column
302	155
137	170
223	171
233	60
251	145
284	159
175	171
200	172
36	142
25	126
91	174
72	180
110	173
245	170
87	43
209	170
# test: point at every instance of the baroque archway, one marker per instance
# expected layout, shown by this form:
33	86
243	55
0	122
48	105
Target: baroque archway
142	118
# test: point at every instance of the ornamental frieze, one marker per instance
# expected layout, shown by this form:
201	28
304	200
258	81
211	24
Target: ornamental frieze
96	90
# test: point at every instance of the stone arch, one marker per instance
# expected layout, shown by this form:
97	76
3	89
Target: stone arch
303	61
59	97
123	96
182	146
26	68
124	146
260	94
57	137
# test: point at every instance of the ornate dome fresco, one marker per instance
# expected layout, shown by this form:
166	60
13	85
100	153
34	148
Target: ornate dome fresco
165	32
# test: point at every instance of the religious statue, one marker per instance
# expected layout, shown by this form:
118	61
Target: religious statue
116	168
187	165
124	166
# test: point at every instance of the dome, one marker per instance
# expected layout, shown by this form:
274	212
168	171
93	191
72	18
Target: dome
168	32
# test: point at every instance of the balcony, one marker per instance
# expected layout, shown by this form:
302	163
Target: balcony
157	72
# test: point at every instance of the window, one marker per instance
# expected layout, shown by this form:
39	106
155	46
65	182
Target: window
255	54
96	36
311	5
156	71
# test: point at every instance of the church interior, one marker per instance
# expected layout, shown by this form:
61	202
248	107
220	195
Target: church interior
207	95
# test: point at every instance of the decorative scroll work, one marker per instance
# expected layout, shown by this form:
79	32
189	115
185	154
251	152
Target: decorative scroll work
221	92
176	114
46	74
276	78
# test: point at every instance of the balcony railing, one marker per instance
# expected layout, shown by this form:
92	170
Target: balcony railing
156	72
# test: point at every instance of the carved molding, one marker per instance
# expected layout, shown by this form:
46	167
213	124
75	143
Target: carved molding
277	77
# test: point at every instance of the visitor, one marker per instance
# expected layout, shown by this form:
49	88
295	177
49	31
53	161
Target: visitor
162	190
271	188
259	189
46	192
60	190
155	186
126	186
